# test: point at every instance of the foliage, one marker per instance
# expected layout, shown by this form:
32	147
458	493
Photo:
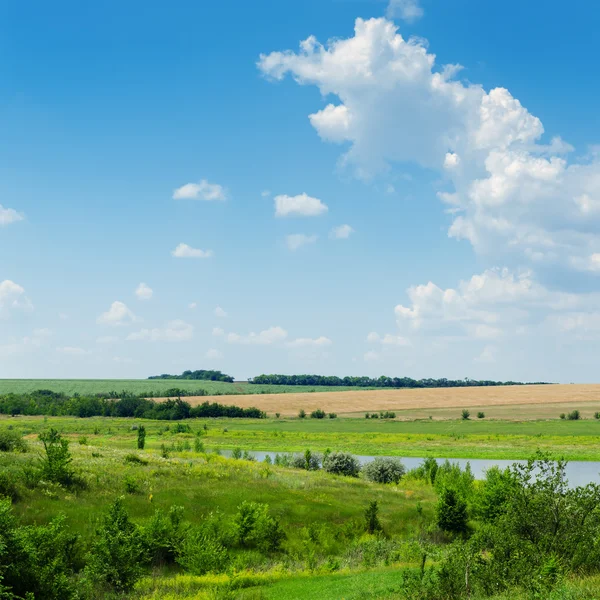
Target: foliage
202	552
55	466
341	463
465	414
372	524
115	560
254	527
384	470
451	512
163	536
141	437
481	415
199	374
302	414
11	441
574	415
317	414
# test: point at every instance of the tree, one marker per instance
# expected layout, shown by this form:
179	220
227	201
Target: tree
55	465
141	438
341	463
451	512
384	470
465	414
372	523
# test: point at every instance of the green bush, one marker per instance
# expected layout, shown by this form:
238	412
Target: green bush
332	415
11	441
384	470
372	524
563	416
8	485
341	463
597	415
255	528
317	414
201	553
141	437
574	415
198	445
132	485
302	414
163	536
465	414
115	560
135	459
451	512
481	415
55	465
237	453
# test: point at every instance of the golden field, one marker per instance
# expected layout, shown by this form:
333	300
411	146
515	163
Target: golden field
518	402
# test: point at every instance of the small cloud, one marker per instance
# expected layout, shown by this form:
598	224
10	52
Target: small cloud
12	297
219	312
63	316
175	331
371	356
143	292
72	351
117	314
301	205
217	331
341	232
9	215
390	189
185	251
192	305
265	193
297	240
488	355
213	354
310	342
42	333
388	339
269	336
407	10
203	190
125	360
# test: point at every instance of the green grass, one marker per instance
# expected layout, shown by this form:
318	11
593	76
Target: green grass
136	386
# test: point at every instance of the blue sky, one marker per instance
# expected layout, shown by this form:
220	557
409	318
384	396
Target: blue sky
339	187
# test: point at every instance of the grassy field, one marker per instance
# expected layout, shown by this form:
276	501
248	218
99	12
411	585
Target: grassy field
138	386
573	440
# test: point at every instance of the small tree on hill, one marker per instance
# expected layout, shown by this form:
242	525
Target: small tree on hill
141	437
372	523
451	512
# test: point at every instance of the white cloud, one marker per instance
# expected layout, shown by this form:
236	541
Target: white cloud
213	354
192	305
219	312
269	336
117	314
341	232
185	251
217	331
310	342
371	356
407	10
9	215
265	193
72	351
63	316
388	339
27	344
203	190
297	240
107	339
301	205
175	331
13	297
509	194
143	292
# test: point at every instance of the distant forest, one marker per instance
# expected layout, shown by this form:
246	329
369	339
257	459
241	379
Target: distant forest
200	375
380	382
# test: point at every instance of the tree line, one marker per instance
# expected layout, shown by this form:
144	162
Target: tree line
200	374
379	382
46	402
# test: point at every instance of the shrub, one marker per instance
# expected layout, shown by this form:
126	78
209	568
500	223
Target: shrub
481	415
372	523
198	445
115	557
341	463
56	464
237	453
254	527
11	441
201	553
563	416
387	415
135	459
465	414
384	470
164	452
162	536
597	415
141	437
317	414
9	487
451	512
309	461
132	485
277	415
302	414
574	415
332	415
83	440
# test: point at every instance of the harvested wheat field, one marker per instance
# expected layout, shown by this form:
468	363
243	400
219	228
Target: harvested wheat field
507	402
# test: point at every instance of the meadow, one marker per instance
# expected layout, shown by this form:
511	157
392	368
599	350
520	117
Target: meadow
327	551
